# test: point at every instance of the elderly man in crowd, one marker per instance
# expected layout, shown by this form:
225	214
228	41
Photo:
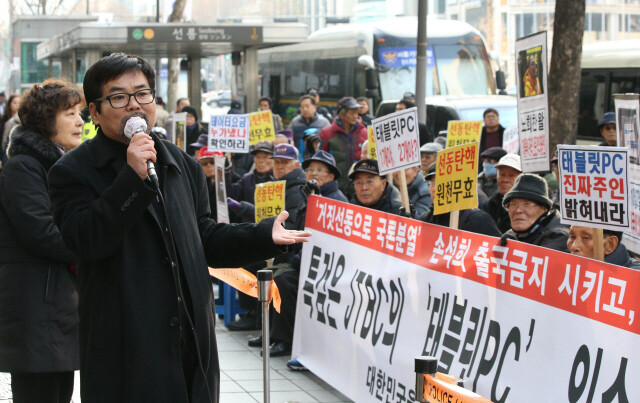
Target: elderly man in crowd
487	178
580	243
428	154
508	169
307	119
372	190
533	218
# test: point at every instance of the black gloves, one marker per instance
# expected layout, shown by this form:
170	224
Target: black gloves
311	187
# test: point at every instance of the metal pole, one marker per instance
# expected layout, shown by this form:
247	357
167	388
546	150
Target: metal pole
421	62
424	365
264	296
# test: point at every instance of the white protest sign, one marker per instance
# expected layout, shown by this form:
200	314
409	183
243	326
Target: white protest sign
511	140
594	186
533	106
222	210
627	124
397	140
503	319
229	133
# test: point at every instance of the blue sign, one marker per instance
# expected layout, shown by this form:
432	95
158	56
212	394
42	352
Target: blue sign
403	57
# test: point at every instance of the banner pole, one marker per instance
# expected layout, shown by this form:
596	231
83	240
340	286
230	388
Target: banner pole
598	244
454	218
264	296
404	192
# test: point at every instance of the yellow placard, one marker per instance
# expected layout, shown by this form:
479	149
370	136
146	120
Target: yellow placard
269	199
463	132
261	127
456	178
371	143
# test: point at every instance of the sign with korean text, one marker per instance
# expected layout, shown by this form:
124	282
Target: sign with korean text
627	124
371	143
594	186
533	105
193	33
177	130
229	133
261	127
269	199
397	140
511	140
451	295
463	132
222	210
456	178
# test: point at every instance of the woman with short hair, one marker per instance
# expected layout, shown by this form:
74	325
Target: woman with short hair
38	292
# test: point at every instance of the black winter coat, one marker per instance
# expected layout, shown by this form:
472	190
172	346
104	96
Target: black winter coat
471	220
389	202
38	293
496	210
131	304
621	257
547	232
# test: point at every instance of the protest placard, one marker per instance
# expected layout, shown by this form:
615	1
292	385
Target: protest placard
229	133
269	199
627	123
222	210
261	127
463	132
594	185
533	106
177	130
456	178
451	295
397	141
511	140
371	143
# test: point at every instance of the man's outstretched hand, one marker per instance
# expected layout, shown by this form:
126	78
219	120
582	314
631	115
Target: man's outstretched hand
282	236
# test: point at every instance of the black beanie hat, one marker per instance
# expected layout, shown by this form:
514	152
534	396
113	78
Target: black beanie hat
529	187
191	110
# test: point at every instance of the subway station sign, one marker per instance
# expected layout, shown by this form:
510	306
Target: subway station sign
194	33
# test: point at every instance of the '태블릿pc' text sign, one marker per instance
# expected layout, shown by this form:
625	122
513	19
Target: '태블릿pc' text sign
456	178
594	186
229	133
397	141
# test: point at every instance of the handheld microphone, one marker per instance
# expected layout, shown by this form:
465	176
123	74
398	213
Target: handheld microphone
136	125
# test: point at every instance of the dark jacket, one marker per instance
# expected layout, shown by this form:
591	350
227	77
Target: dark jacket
496	210
299	124
345	147
483	138
547	232
192	137
488	185
471	220
389	202
135	289
244	191
419	195
38	294
621	257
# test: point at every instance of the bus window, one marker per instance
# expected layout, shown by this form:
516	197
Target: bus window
463	70
623	82
593	102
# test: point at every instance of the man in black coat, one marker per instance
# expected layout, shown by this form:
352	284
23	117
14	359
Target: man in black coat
146	304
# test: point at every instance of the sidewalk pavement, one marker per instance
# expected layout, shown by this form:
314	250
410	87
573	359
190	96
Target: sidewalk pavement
241	376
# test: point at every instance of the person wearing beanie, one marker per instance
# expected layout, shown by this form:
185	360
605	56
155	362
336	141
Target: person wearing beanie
473	220
487	178
372	190
580	243
194	129
533	218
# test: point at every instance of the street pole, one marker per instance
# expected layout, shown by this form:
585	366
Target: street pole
421	62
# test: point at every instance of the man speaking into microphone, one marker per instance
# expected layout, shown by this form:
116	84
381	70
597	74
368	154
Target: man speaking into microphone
146	304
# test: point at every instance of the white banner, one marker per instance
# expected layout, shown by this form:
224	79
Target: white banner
517	323
533	106
511	140
397	140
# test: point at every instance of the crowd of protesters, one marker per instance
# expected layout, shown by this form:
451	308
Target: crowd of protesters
317	153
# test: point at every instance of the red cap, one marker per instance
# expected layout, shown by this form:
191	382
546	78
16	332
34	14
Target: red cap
205	153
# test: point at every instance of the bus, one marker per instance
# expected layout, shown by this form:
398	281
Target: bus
376	60
608	68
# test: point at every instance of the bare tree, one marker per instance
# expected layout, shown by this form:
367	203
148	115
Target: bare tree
564	71
173	64
41	7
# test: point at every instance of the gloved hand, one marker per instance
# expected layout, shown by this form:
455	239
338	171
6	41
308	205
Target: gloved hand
311	187
233	205
504	237
411	213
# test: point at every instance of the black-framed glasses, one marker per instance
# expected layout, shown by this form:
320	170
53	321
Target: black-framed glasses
122	99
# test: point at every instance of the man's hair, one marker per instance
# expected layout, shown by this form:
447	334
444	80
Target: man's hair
362	99
41	104
269	100
616	234
309	97
490	110
111	67
180	100
408	104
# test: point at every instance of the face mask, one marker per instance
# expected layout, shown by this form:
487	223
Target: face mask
489	169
